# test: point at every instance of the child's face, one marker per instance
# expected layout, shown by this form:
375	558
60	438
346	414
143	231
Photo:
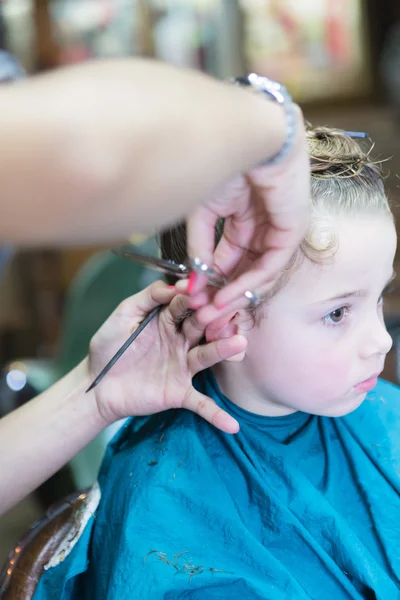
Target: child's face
323	334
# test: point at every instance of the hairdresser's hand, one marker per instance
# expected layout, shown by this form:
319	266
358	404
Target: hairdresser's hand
156	372
266	215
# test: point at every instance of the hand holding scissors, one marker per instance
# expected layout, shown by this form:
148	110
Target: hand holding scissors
266	214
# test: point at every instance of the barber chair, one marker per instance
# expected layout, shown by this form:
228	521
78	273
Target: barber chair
25	564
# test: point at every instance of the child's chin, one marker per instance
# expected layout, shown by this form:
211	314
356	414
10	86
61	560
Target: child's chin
343	408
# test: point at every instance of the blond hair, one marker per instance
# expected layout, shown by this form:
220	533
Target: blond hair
344	180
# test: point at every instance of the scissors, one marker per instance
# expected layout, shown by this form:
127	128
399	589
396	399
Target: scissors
168	267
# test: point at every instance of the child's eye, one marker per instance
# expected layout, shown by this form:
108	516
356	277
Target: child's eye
337	316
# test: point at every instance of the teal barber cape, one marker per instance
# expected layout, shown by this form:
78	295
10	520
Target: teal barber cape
290	508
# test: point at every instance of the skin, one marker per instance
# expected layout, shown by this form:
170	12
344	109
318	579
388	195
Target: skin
309	352
97	152
155	374
130	146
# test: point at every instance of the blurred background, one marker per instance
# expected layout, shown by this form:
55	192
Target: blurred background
340	60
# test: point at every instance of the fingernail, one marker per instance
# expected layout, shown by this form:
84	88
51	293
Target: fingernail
192	281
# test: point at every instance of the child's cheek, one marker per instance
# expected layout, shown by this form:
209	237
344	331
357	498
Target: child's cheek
332	373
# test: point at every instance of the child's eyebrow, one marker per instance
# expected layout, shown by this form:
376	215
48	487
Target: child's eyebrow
355	293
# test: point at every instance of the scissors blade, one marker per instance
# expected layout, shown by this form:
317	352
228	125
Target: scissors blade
169	267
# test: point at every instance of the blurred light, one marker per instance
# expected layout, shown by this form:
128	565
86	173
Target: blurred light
16	380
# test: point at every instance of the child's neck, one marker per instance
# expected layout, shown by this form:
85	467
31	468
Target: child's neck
241	389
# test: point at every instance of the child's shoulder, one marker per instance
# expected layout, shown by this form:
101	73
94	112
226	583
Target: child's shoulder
157	438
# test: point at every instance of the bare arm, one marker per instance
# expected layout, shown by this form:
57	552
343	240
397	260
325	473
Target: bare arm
40	437
97	152
155	375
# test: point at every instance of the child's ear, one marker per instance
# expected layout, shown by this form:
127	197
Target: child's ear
225	327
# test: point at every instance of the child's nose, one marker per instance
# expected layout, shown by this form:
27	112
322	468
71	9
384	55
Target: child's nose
376	339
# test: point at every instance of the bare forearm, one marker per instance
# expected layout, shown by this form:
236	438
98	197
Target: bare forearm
40	437
98	152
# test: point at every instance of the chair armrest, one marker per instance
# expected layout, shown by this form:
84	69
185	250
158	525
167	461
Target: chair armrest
25	564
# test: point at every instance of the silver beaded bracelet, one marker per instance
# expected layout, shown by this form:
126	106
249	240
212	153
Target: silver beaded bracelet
277	93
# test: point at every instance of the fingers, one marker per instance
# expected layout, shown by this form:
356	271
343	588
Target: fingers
262	275
193	330
200	233
284	196
143	302
179	307
208	410
210	313
197	300
200	241
182	286
206	312
232	200
238	227
208	355
156	294
268	213
181	313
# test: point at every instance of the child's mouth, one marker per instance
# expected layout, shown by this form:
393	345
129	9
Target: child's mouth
367	385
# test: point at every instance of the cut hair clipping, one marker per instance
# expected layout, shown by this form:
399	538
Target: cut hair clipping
356	134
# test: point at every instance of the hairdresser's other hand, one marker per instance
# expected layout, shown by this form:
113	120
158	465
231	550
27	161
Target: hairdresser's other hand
266	214
155	373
